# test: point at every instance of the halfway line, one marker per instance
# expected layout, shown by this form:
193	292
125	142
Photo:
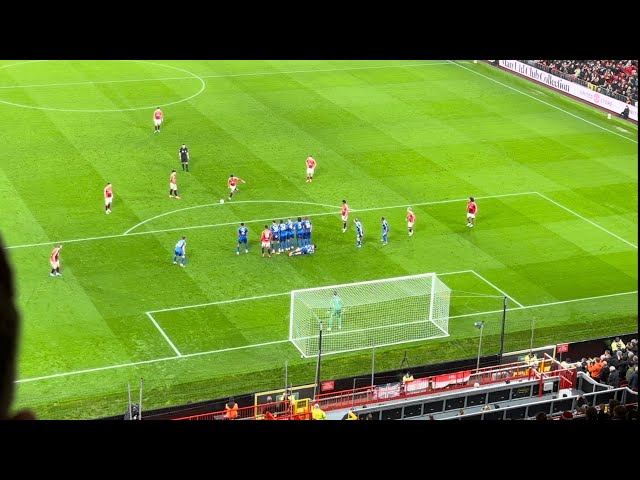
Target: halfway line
223	75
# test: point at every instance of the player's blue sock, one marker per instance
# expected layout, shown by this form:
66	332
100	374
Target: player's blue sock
183	260
174	257
238	249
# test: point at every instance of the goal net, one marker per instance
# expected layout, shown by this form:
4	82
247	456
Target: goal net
356	316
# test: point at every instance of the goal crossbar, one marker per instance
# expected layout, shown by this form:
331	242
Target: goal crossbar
367	314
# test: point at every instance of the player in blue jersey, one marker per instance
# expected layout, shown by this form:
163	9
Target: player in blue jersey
385	231
306	231
242	238
299	232
180	251
290	234
275	236
282	236
306	250
359	233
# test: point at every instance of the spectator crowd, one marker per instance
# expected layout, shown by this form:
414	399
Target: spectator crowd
616	367
612	77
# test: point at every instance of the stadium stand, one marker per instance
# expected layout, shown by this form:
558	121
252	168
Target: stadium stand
514	391
615	78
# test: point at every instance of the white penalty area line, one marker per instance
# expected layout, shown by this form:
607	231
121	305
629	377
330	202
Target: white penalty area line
213	225
155	360
587	220
498	289
540	305
128	233
221	204
542	101
258	345
166	337
221	302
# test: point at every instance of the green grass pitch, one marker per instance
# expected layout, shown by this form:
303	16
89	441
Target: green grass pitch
556	185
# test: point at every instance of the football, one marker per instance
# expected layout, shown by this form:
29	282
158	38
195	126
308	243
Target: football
222	200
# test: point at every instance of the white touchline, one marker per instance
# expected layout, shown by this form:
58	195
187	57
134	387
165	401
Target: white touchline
586	220
213	225
546	103
492	285
162	332
258	345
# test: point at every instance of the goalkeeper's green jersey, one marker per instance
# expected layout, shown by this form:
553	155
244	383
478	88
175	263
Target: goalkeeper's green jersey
336	304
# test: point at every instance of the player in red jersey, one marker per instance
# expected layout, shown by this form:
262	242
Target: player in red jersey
411	219
173	185
157	120
265	240
108	198
311	165
54	259
232	183
344	212
472	209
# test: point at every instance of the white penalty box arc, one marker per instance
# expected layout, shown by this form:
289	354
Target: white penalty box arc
363	315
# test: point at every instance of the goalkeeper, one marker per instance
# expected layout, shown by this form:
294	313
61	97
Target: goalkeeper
336	310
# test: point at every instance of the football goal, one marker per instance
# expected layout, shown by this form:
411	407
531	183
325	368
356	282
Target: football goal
357	316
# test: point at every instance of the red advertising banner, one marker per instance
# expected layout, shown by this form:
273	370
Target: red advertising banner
417	385
390	390
328	385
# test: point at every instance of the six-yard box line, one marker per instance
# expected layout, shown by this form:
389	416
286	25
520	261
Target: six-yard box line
195	354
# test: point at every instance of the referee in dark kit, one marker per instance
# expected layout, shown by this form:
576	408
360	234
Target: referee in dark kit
183	153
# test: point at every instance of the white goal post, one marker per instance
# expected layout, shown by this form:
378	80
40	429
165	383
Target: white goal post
369	314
